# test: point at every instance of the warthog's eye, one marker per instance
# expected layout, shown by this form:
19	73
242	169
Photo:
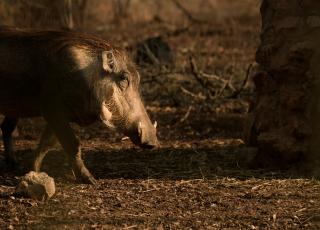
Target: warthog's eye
123	81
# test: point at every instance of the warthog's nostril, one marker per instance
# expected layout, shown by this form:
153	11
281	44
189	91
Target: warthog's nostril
150	145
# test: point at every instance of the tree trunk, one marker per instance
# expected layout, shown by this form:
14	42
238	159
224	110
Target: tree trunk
66	14
283	120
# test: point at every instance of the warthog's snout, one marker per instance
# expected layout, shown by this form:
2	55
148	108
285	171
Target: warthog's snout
147	135
144	135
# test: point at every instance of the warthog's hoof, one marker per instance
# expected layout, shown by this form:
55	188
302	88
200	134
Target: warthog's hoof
81	173
88	180
84	176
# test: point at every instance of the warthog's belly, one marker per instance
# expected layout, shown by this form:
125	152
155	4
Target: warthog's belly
19	96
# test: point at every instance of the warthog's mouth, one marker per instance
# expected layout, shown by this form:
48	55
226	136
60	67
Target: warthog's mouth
142	134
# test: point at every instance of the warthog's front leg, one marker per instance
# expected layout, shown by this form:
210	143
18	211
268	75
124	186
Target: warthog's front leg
58	123
48	140
7	127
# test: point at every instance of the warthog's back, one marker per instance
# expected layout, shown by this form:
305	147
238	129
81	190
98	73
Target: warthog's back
27	58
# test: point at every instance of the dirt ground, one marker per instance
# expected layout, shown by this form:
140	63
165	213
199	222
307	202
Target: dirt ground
200	177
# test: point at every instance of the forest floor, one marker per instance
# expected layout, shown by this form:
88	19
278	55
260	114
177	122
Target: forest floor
198	179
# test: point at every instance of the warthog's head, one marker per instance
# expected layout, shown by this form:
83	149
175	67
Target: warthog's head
121	104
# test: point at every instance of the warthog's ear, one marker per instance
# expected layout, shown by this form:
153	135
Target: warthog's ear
108	61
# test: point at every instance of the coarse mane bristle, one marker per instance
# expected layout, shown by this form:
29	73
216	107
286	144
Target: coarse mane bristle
55	38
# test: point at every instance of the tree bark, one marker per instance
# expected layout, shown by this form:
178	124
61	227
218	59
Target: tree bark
283	121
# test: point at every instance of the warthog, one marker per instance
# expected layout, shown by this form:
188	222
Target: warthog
69	77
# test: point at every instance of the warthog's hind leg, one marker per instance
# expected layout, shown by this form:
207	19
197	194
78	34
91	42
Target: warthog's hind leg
7	127
47	142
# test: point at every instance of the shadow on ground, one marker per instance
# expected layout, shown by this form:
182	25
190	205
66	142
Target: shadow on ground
226	158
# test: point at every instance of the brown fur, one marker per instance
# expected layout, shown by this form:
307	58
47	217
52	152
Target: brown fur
55	37
68	76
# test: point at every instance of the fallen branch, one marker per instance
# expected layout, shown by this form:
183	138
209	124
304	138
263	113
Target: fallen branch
178	31
227	83
195	72
186	12
206	83
197	96
222	89
151	55
237	92
185	117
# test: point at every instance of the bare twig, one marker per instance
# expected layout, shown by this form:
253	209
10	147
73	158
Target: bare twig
204	82
178	31
151	55
227	83
222	89
197	96
185	117
130	227
186	12
195	72
237	92
212	76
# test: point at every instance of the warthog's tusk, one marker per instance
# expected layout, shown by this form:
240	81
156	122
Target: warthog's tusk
155	124
140	128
